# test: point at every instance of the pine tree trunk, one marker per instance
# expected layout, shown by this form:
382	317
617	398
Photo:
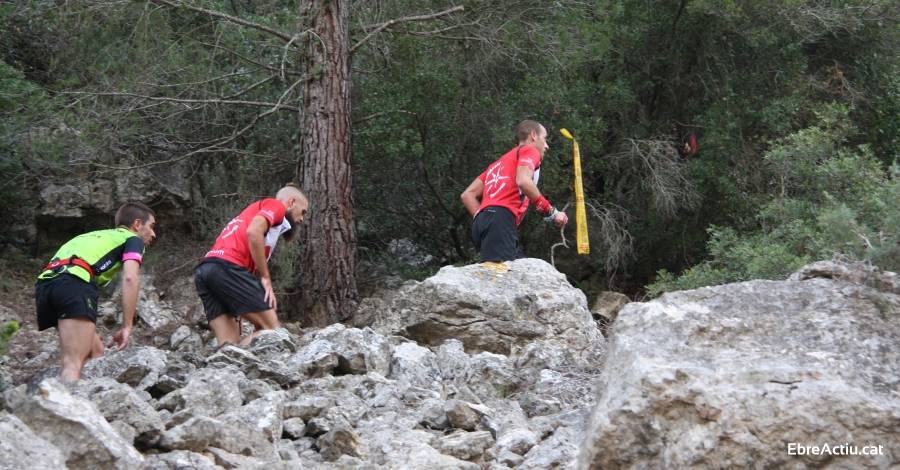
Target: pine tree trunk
327	284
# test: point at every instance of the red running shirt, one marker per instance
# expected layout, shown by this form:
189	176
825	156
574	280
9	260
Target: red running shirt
500	188
234	246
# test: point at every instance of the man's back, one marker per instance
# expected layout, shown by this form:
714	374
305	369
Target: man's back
500	188
104	250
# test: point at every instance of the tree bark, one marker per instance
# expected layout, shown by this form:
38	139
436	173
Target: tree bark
327	284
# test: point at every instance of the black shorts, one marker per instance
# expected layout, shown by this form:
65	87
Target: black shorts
62	297
228	288
494	235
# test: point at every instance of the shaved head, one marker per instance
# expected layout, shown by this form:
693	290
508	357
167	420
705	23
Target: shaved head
289	192
296	206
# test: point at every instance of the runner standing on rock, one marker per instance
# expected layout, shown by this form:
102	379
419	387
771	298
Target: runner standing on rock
499	197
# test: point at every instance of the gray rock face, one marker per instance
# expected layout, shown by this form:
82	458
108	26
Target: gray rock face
263	415
74	425
139	367
209	392
179	460
721	377
103	195
120	403
464	415
358	351
315	359
718	377
201	432
607	305
337	442
466	445
20	447
416	365
497	310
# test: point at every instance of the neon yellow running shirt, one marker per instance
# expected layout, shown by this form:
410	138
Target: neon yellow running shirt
104	250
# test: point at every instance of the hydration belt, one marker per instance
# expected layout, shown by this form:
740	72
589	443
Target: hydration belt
74	260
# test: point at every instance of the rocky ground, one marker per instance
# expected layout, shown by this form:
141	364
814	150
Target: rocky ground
484	367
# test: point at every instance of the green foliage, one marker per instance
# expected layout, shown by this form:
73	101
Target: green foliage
827	199
7	331
796	105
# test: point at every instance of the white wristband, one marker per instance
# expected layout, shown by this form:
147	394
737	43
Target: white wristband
550	217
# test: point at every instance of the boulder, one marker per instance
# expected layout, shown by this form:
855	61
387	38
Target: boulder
293	428
179	460
466	445
120	403
74	425
208	392
465	416
184	338
394	445
269	343
415	365
495	308
607	305
359	350
337	442
721	376
20	447
306	407
201	432
316	359
139	367
263	415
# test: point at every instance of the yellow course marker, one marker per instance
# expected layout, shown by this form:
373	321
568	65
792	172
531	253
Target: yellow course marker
580	214
496	268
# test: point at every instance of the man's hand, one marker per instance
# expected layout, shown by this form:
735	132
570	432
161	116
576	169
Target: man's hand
120	339
270	293
561	219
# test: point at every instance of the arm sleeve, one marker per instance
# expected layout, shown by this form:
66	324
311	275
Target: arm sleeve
529	157
272	210
134	250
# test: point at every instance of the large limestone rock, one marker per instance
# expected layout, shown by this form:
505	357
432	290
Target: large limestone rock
74	425
124	407
208	392
20	447
742	374
179	460
496	308
201	432
139	367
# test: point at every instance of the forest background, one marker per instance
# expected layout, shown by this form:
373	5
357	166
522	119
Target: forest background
795	106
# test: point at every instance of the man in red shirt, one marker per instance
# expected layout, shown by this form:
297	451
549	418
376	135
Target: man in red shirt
499	197
233	279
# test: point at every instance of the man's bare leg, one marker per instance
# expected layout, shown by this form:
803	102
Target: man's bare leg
97	348
226	329
266	320
76	342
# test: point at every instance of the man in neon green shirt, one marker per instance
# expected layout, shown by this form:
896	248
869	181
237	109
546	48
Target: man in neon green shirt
66	290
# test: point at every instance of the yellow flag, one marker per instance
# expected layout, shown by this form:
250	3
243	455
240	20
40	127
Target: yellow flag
581	237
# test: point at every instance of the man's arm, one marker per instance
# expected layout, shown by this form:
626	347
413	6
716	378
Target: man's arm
525	182
256	235
471	197
131	286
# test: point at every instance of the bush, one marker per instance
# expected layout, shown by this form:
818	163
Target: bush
827	200
7	331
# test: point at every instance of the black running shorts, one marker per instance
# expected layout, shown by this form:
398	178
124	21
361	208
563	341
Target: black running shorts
228	288
494	235
63	297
